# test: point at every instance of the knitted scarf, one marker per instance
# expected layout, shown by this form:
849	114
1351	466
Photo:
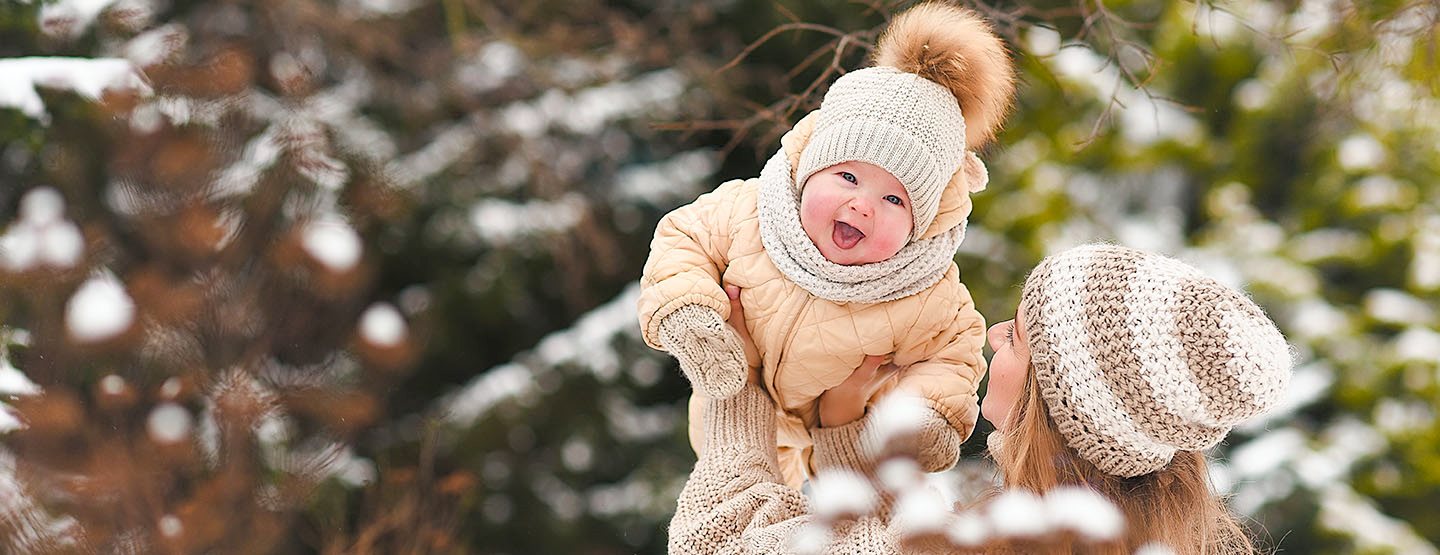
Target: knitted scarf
919	265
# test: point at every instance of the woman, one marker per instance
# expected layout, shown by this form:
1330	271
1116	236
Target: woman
1119	369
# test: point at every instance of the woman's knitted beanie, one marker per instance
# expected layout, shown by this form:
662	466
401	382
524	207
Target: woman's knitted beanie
905	114
1139	355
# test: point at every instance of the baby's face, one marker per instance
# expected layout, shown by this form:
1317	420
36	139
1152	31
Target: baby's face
856	213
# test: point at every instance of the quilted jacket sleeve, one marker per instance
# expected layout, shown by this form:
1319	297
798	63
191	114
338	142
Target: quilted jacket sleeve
687	260
953	336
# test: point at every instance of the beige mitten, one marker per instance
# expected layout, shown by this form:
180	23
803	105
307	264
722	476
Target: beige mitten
710	353
937	444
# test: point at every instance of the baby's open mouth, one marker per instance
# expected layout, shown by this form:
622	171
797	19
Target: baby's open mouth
846	236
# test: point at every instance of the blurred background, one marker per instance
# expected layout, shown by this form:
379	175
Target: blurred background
358	276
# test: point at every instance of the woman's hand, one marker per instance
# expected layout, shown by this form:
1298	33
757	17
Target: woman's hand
845	403
737	321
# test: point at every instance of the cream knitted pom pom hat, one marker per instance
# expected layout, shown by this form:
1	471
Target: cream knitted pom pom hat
905	114
907	124
1139	355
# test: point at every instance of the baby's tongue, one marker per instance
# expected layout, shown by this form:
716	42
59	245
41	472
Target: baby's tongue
846	236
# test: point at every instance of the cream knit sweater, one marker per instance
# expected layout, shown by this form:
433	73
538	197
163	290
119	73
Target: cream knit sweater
735	500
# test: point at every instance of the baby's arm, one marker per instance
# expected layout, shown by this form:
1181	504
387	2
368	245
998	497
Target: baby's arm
949	338
948	375
682	307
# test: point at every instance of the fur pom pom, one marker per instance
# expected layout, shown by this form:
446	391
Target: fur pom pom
954	47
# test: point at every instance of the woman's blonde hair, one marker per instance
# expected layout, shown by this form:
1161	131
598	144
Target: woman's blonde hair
1175	506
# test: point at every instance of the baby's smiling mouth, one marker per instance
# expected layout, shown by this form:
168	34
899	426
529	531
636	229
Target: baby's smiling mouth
846	236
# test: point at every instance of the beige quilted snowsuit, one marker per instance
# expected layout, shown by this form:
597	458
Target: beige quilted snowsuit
808	344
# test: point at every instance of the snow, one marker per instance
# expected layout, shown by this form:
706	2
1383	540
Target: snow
666	183
156	46
630	422
1155	548
112	385
13	382
967	529
505	382
837	493
29	527
629	496
1308	384
61	245
1343	510
576	454
1018	513
900	474
1425	265
1267	452
494	65
240	177
99	310
810	538
1216	25
920	511
898	414
1042	41
1417	344
1312	20
169	423
1358	153
88	77
589	110
501	222
8	421
1253	94
587	343
42	205
20	248
332	242
169	526
71	18
383	326
1143	119
440	153
1313	318
1395	417
351	470
1380	192
375	9
1330	243
561	498
1084	511
170	389
1398	307
41	237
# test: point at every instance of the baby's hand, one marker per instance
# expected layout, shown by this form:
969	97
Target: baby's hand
845	403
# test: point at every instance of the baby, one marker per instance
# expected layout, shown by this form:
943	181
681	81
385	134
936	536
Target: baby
843	247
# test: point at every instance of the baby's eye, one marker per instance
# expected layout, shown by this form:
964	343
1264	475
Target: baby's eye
849	177
895	200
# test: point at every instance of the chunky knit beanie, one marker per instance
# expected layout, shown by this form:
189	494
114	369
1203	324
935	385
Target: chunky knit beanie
942	84
1139	355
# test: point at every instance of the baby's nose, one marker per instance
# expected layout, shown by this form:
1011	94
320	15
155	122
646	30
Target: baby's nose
860	207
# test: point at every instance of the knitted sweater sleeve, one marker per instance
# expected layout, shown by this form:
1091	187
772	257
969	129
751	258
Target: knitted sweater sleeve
735	501
687	260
